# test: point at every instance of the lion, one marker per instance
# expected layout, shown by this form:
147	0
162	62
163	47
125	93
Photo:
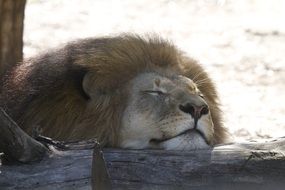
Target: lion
127	91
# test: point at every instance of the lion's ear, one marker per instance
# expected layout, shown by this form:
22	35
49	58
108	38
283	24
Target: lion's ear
88	84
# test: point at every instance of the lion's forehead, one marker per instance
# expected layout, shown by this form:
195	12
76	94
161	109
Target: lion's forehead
180	83
187	83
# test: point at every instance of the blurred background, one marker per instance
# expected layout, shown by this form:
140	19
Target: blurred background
240	43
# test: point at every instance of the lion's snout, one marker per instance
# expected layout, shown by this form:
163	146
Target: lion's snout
196	108
195	111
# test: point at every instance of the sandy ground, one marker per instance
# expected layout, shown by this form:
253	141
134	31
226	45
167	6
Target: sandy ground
240	43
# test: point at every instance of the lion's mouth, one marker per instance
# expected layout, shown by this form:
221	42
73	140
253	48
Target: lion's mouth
195	130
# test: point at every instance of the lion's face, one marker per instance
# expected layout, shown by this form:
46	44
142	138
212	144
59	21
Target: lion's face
166	112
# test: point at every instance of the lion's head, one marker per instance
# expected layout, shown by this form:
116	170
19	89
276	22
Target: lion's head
127	91
165	112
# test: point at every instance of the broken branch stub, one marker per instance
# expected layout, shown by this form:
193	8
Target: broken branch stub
100	177
16	144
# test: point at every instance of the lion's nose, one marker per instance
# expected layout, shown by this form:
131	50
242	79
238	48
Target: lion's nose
194	110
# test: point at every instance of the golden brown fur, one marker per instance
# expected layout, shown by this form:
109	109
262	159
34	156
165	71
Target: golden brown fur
79	91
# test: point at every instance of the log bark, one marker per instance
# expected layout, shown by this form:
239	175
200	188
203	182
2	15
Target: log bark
249	165
11	33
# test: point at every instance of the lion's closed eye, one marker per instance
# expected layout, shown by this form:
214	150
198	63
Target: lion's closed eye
154	92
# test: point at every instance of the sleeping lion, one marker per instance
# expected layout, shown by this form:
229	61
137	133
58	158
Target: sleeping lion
127	91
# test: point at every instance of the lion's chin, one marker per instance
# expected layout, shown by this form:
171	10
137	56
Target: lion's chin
188	141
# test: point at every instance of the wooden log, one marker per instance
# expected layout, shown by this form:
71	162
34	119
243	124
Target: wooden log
250	165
